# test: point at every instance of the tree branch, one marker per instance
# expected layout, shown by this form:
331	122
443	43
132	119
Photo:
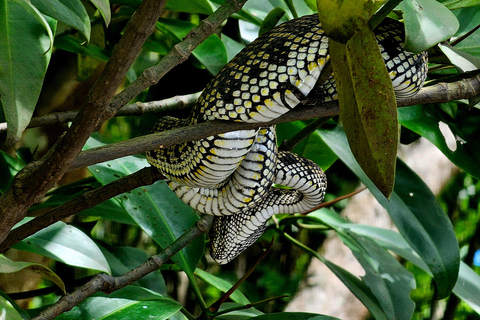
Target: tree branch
108	284
89	199
34	180
440	92
134	109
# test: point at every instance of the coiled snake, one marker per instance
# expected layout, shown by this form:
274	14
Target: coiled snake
232	175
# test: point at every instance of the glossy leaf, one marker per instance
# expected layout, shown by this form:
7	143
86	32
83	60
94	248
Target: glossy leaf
427	22
9	167
24	56
70	12
71	44
123	259
294	315
197	6
233	47
354	284
416	214
67	244
222	285
463	61
9	266
388	280
271	20
311	147
103	6
7	311
367	106
467	287
425	120
468	18
211	52
457	4
128	303
154	208
238	313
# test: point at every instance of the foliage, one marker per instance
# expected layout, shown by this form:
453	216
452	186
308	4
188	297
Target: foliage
124	231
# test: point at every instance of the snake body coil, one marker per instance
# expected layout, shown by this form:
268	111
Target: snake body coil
231	175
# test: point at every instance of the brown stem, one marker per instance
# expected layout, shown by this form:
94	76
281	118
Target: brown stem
108	284
440	92
32	182
134	109
84	201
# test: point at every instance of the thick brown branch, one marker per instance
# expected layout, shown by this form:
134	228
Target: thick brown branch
82	202
441	92
108	284
32	183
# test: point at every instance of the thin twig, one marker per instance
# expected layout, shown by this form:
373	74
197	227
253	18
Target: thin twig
108	284
332	202
134	109
215	306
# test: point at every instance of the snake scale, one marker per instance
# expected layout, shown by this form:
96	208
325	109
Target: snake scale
235	175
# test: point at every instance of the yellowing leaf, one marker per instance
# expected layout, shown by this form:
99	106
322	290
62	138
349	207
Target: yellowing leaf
367	106
9	266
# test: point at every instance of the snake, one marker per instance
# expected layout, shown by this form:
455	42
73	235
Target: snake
241	177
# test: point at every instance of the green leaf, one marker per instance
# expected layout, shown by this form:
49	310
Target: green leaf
211	53
196	6
26	39
463	61
123	259
294	315
309	146
427	22
221	285
368	109
467	287
233	47
271	20
8	311
71	44
156	209
457	4
388	280
9	167
67	244
128	303
354	284
9	266
104	7
416	214
70	12
425	120
238	313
